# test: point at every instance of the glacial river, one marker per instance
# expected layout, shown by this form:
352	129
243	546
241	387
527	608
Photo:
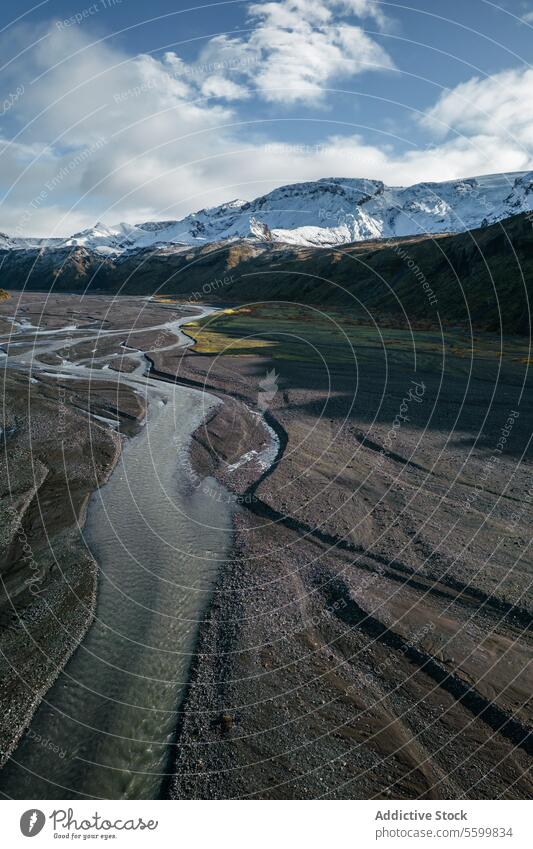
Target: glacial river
159	541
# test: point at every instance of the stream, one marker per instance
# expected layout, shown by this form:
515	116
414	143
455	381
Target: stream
108	721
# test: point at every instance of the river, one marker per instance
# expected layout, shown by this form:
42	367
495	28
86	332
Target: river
159	539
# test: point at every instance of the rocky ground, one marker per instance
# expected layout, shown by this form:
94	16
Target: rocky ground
372	635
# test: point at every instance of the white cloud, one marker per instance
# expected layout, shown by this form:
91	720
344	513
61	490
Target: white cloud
501	105
150	117
351	156
300	48
221	87
299	66
167	150
487	121
365	9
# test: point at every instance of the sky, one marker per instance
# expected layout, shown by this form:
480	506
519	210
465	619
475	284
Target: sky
119	110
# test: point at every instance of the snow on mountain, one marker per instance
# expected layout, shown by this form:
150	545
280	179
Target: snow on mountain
327	212
105	239
6	242
14	242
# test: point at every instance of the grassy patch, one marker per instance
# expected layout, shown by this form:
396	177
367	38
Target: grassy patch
211	337
308	334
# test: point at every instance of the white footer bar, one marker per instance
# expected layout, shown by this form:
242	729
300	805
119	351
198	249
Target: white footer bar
263	825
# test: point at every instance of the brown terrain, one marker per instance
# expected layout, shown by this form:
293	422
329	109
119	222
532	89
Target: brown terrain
371	635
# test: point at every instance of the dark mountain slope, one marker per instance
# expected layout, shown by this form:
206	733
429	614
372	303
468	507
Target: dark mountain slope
484	276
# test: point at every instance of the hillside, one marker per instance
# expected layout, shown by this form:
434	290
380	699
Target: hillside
452	278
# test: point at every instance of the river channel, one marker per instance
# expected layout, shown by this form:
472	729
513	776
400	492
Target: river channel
159	540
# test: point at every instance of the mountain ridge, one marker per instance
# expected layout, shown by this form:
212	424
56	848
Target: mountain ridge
481	278
328	212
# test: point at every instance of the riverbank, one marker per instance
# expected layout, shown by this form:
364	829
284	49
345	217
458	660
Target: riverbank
366	639
54	459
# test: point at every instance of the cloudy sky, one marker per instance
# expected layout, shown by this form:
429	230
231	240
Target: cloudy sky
120	110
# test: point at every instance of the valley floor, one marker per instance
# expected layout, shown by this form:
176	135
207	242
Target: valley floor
371	637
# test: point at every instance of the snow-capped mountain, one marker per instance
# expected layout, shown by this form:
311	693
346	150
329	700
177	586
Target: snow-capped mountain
14	242
327	212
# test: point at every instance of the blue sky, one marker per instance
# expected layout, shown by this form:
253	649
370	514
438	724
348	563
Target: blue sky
121	110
